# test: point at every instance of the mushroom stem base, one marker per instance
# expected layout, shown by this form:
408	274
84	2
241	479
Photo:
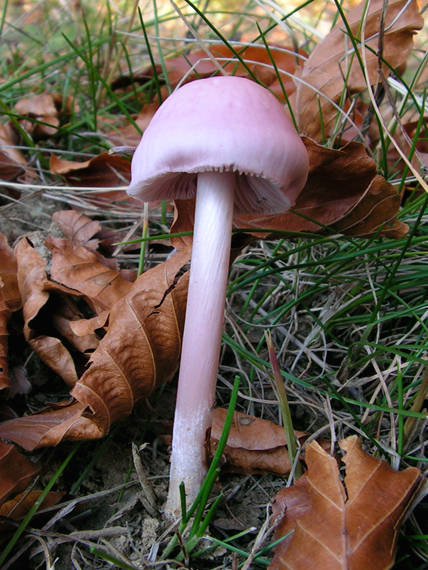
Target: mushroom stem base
202	334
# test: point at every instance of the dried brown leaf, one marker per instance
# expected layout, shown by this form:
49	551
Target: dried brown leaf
8	142
254	445
88	272
19	506
139	351
10	300
9	170
128	135
104	170
99	171
77	227
339	525
257	64
35	290
8	275
342	193
4	368
16	471
332	67
48	108
64	318
337	180
377	207
412	139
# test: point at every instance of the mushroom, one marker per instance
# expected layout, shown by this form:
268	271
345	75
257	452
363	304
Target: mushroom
227	141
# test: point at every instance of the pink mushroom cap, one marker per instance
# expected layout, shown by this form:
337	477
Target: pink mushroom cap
221	124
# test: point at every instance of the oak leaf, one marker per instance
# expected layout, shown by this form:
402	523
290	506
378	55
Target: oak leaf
333	66
336	525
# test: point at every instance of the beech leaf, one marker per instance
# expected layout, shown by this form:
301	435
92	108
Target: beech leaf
16	471
36	288
77	227
254	445
332	60
43	113
251	61
140	350
88	272
337	525
103	170
10	300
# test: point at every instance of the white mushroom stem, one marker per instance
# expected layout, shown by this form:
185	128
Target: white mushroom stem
202	334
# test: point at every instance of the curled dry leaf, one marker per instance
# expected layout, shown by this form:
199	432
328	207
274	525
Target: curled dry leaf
8	142
4	369
376	209
16	508
324	72
10	300
253	446
8	274
88	272
139	351
16	471
128	135
104	170
412	138
336	525
77	227
36	288
9	170
42	114
80	230
337	180
12	161
5	312
253	61
48	303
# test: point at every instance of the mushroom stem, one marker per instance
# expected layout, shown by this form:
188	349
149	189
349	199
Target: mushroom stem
202	334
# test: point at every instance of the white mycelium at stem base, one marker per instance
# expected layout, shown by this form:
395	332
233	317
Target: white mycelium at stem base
202	332
228	140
